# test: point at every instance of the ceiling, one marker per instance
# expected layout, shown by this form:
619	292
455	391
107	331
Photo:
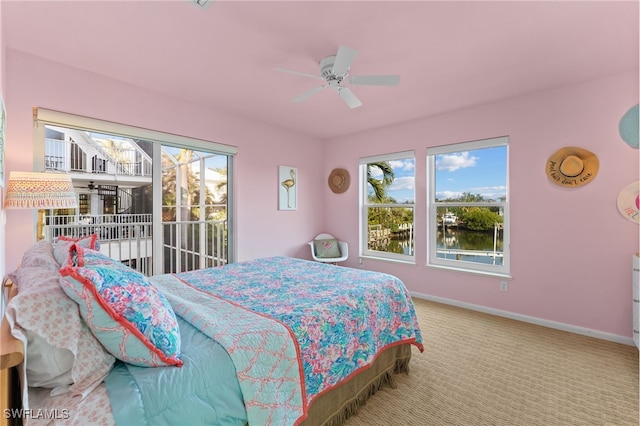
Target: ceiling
449	54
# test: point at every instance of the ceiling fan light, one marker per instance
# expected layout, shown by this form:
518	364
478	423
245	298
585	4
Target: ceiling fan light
203	3
335	71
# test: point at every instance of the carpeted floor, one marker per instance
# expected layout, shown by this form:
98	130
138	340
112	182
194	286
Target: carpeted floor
480	369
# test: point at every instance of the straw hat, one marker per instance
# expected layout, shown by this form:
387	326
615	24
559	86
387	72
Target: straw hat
629	202
339	180
572	167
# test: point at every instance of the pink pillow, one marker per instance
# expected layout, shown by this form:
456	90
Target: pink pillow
40	254
64	244
49	317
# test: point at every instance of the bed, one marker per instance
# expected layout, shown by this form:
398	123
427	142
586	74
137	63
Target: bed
275	340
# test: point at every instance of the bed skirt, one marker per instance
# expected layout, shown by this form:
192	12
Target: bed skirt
334	407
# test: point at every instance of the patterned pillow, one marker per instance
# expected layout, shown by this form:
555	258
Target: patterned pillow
61	352
327	248
64	243
40	254
130	317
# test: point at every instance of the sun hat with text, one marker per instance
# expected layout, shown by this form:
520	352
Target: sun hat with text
628	202
572	167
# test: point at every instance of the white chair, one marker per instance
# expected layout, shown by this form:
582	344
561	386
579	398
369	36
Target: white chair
342	246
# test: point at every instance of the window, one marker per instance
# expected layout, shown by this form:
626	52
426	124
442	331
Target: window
387	199
468	214
83	204
158	201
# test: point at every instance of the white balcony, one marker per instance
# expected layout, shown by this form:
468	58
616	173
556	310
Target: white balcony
85	156
129	239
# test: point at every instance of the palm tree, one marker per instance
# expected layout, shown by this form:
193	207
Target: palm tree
380	186
221	186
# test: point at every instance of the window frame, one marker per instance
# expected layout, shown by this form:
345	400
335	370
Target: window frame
43	117
364	205
432	206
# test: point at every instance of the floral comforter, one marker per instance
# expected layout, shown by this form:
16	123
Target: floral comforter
341	317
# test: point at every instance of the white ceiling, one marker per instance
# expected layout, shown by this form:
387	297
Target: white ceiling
449	54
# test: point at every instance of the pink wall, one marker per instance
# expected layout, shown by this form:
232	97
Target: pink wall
2	50
2	93
571	249
262	230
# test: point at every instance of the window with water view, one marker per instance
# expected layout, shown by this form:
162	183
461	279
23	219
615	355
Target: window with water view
468	213
388	206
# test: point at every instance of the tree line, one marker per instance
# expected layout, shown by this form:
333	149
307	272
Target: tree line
474	218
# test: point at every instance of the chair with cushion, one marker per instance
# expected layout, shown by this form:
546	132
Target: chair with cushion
328	249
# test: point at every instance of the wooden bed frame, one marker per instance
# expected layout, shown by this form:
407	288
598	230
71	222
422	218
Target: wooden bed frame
11	355
328	409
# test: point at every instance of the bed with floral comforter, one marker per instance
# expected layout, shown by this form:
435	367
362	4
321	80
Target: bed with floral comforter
276	340
330	322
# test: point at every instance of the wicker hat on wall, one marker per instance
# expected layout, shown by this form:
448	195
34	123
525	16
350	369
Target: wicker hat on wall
339	180
572	167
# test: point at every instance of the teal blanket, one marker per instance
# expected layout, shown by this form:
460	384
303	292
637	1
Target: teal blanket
194	394
263	350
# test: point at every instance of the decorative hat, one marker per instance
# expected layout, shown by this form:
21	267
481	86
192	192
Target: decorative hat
629	202
339	180
629	127
572	167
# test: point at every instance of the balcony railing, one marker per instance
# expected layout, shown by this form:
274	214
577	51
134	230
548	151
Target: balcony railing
66	156
128	238
107	226
190	245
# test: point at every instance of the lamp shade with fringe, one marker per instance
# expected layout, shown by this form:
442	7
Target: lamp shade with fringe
32	190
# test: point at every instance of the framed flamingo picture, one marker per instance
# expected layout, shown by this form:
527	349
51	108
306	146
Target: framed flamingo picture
2	129
287	188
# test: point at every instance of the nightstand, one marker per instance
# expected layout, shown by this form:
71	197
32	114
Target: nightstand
636	299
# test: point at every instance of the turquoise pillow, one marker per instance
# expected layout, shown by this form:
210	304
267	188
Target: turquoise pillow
126	313
327	248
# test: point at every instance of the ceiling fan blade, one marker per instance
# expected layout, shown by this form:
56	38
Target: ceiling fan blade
349	98
375	80
299	73
305	95
344	59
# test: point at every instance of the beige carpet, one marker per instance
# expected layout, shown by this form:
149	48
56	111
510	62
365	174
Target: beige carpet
480	369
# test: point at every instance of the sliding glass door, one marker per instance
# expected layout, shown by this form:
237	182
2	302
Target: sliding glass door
159	202
194	213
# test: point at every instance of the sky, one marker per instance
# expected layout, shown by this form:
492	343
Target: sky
403	187
480	171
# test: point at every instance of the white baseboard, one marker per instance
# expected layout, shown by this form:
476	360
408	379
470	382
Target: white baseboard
526	318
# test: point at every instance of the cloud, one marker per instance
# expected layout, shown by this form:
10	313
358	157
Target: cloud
482	189
398	166
490	192
446	195
402	164
375	172
403	183
453	162
487	192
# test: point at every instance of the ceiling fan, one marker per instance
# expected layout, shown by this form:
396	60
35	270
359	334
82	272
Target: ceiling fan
102	189
334	71
91	186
